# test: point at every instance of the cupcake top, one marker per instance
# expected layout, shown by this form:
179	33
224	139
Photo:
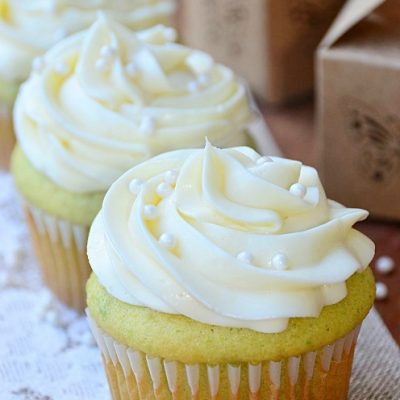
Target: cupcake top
29	27
226	237
106	99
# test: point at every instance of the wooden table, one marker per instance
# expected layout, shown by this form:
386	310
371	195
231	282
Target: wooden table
293	129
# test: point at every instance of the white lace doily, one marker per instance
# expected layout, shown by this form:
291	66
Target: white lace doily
48	353
46	350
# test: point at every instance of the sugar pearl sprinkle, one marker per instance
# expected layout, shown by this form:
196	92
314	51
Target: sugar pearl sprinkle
298	189
150	211
193	86
135	185
280	262
108	51
38	64
60	34
384	265
51	7
62	68
245	256
169	34
147	126
203	79
263	160
164	189
171	176
131	70
382	291
167	240
102	65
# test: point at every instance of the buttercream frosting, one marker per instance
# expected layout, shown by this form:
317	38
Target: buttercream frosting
221	237
106	99
29	27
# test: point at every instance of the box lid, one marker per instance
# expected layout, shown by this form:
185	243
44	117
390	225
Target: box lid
351	14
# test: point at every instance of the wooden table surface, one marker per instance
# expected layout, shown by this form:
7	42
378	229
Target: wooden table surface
293	129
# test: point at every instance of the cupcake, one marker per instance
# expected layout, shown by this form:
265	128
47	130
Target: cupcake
29	28
224	274
105	100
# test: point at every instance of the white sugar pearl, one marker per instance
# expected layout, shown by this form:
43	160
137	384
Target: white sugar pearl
382	291
298	189
150	211
167	240
171	176
51	7
38	64
384	264
170	34
131	69
135	185
203	79
164	189
102	65
245	256
263	160
280	262
147	126
62	68
193	86
108	51
60	34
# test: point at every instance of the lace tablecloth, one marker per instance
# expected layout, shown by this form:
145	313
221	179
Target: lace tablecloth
48	353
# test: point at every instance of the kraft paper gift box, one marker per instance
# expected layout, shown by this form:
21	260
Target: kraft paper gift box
358	99
271	43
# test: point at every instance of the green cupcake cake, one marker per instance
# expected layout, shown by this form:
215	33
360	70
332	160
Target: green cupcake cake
29	28
224	274
105	100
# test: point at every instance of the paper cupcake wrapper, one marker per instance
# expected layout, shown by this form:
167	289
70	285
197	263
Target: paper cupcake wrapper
60	247
7	137
323	374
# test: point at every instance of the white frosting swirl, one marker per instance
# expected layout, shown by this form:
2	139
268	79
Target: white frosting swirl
108	98
29	27
237	241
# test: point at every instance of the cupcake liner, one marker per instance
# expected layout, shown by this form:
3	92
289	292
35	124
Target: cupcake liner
7	137
60	247
323	374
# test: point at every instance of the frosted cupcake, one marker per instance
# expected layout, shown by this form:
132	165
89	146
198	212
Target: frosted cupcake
105	100
29	28
223	274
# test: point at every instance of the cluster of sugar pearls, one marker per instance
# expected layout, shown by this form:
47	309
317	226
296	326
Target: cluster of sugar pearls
383	265
279	261
163	190
60	67
200	64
